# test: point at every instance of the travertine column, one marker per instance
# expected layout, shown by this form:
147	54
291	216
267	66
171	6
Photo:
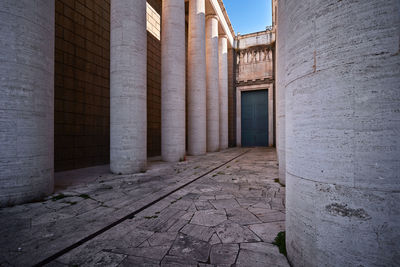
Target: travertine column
223	91
280	99
196	79
173	80
26	100
128	122
212	79
342	77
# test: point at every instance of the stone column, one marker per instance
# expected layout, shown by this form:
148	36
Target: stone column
223	91
128	122
212	79
342	131
26	100
173	80
196	79
280	99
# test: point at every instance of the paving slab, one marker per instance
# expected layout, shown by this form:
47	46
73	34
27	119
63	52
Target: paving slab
224	254
210	222
260	255
209	217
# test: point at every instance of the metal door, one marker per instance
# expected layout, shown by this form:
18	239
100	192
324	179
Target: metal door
254	118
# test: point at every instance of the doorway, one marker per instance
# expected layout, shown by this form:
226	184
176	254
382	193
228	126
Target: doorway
254	118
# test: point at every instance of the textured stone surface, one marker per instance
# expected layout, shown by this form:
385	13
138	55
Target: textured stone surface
223	90
260	254
212	83
209	217
128	118
172	232
173	81
280	97
342	129
196	76
26	100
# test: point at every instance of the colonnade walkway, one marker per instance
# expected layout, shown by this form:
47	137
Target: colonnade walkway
223	208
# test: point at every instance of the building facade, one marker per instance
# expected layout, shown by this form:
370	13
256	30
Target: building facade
94	82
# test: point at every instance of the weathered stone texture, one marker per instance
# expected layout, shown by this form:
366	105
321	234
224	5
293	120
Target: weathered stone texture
128	91
196	99
212	83
173	81
280	98
223	91
342	76
26	100
254	57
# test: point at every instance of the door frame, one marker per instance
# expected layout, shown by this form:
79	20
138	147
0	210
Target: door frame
239	91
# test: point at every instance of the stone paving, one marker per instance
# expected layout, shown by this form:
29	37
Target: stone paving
229	216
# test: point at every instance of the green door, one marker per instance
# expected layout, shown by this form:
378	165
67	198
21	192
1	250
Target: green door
255	118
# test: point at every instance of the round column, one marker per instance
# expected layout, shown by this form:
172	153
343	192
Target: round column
196	79
173	80
26	100
280	100
128	122
342	82
223	91
212	81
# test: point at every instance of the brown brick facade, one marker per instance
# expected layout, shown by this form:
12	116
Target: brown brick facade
231	98
82	106
82	90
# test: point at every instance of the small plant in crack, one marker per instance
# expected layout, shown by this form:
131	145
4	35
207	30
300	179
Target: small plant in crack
276	180
59	196
84	196
280	243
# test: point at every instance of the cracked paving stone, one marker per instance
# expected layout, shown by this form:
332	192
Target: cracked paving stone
259	254
160	239
214	239
268	231
198	231
225	203
267	215
208	217
163	221
230	232
155	252
190	248
139	261
203	205
224	253
241	216
174	261
106	259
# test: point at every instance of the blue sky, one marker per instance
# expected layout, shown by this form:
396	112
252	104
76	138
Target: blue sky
249	16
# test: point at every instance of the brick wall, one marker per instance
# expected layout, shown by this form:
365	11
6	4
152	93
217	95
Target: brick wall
82	97
154	80
82	59
231	97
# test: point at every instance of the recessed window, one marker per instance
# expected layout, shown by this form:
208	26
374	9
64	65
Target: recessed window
153	21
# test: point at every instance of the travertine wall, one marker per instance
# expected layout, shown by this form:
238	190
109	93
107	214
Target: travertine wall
254	57
342	77
82	97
